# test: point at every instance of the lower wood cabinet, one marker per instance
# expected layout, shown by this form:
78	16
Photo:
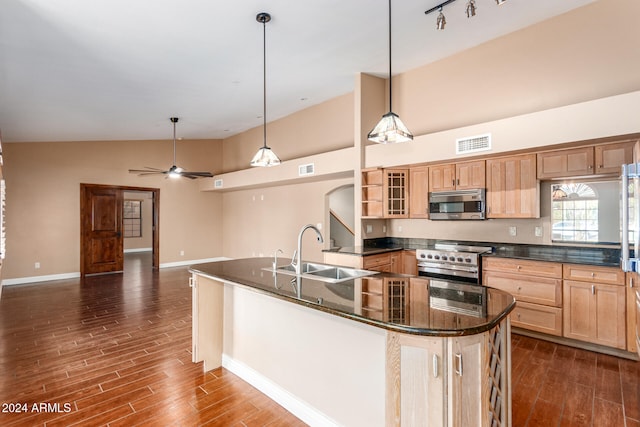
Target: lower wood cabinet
403	262
449	381
633	312
537	288
595	307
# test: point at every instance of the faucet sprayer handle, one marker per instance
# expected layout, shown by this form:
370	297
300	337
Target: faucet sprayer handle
293	258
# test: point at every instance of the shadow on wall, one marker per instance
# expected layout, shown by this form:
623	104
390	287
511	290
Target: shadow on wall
341	216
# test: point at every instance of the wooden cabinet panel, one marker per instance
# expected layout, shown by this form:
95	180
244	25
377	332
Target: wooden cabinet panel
590	273
523	266
457	176
409	263
396	193
442	177
637	311
372	193
537	317
419	192
610	157
512	187
595	313
470	175
565	163
379	262
467	358
537	290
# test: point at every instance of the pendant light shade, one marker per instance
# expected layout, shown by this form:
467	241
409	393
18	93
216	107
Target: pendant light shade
264	157
390	128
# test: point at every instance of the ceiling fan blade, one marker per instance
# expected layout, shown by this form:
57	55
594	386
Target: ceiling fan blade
146	169
198	174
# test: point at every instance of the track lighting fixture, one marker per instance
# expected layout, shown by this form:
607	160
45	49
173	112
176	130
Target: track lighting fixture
471	8
440	20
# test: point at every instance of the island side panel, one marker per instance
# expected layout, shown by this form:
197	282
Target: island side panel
334	365
207	318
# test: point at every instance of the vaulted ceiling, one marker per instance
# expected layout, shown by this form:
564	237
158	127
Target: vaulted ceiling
77	70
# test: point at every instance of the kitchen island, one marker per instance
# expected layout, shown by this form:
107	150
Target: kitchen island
385	349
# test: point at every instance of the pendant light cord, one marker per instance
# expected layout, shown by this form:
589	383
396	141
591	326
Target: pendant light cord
264	82
174	120
390	109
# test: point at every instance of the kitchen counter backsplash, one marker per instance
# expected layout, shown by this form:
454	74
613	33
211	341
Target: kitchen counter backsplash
605	256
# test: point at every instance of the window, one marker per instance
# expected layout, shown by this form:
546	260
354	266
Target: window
585	212
132	218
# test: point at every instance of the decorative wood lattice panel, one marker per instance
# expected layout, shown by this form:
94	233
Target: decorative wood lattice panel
497	366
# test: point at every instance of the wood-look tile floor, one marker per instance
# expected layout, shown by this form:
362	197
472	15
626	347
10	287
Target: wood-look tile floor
115	350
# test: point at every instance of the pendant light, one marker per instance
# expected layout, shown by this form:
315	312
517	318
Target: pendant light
390	128
264	157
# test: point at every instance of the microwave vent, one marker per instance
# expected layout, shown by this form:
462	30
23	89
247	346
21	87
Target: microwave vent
306	170
473	144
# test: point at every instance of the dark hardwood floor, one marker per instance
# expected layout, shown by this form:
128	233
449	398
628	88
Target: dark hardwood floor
115	350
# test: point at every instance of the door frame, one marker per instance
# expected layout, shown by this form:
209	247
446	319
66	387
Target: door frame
155	198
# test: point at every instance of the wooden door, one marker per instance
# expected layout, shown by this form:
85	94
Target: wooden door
610	306
470	175
101	249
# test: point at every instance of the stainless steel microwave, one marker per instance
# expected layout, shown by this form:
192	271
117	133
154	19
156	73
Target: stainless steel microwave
458	204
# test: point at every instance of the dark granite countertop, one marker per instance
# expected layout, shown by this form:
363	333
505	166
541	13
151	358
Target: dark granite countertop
413	308
598	256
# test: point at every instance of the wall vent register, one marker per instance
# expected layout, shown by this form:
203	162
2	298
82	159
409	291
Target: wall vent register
473	144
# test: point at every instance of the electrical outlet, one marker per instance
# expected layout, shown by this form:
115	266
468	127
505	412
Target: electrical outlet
513	231
538	231
37	265
369	228
399	229
181	253
384	228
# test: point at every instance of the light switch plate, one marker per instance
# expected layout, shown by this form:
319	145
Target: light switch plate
513	231
538	231
369	228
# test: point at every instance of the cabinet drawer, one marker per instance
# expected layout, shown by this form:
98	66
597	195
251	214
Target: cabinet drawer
540	318
588	273
372	261
537	290
522	266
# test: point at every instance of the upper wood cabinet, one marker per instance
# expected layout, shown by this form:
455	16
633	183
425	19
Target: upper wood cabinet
457	176
385	193
419	192
585	161
609	158
512	187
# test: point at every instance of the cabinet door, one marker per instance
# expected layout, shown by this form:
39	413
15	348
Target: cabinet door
372	193
565	163
467	361
610	157
416	381
637	310
512	187
396	193
595	313
419	192
442	177
409	263
470	175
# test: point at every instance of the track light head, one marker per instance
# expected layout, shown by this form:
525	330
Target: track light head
441	20
471	8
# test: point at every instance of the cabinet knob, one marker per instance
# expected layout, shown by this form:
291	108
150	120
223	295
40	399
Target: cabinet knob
519	288
589	167
593	289
518	315
631	282
435	366
458	368
593	275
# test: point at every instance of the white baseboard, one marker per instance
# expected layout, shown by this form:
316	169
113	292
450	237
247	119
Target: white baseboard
74	275
192	262
128	251
36	279
291	403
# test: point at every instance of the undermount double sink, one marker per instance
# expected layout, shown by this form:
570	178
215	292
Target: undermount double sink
324	272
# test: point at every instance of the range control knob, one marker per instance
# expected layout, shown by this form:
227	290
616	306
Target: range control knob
467	260
429	256
436	257
460	259
423	256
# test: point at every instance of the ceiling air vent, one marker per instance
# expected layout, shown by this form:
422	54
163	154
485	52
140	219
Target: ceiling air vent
473	143
305	170
217	183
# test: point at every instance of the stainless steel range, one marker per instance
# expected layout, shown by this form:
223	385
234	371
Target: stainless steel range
450	261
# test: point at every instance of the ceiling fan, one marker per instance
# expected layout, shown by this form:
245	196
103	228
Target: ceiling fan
174	171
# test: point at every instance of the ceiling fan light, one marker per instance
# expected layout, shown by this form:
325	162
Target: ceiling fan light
390	130
265	158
